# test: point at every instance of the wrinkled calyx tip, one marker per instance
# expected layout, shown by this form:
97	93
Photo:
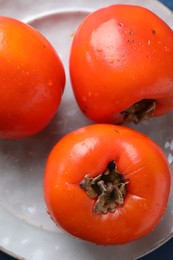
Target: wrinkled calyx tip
139	111
108	189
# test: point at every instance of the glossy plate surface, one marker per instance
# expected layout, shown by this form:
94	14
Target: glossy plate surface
26	230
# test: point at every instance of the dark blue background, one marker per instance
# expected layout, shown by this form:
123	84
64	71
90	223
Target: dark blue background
165	251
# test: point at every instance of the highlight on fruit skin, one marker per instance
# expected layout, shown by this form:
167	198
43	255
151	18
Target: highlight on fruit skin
127	65
32	80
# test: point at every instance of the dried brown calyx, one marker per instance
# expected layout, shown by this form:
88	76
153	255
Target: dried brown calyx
108	189
139	111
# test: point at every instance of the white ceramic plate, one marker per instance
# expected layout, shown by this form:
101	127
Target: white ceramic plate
26	230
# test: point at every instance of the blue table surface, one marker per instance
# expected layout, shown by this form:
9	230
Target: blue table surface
163	252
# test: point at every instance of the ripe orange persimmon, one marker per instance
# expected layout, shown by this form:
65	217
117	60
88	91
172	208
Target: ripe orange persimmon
126	53
32	80
107	184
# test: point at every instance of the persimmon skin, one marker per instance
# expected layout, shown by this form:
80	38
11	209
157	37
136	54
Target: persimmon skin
88	150
32	80
117	60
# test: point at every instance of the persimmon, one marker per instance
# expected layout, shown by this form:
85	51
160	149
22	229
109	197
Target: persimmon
121	65
32	80
107	184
